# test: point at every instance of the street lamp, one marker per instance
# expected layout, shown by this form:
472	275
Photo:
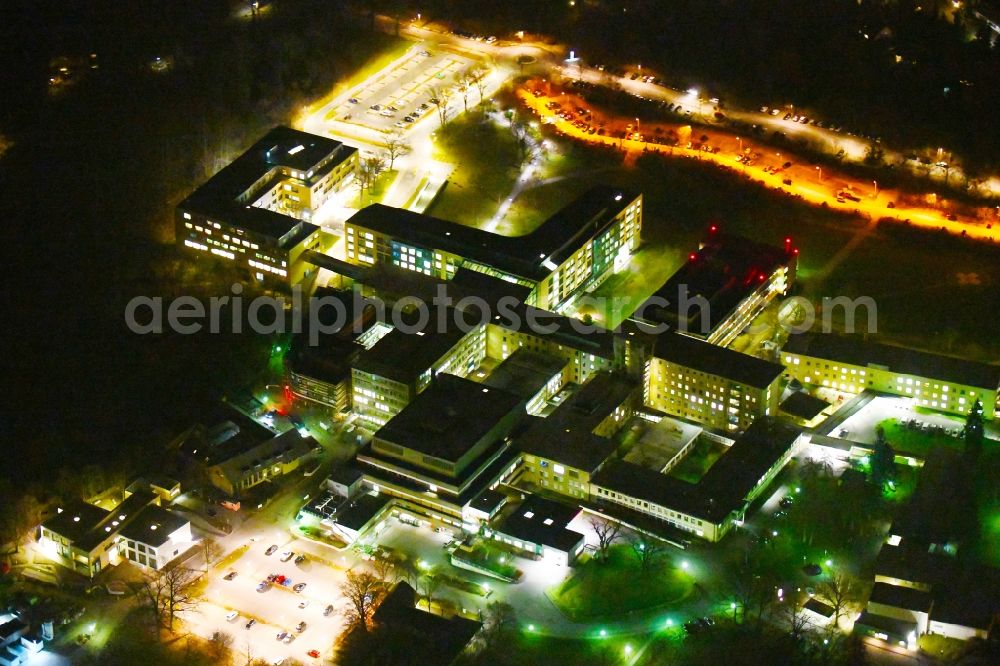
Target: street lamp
819	170
875	196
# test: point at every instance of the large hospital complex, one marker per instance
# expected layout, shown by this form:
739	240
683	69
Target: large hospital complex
459	412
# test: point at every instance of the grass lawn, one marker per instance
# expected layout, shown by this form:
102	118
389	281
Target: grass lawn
941	647
606	589
485	159
918	443
534	647
695	464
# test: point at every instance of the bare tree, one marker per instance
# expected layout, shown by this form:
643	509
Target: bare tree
607	532
477	77
430	582
439	98
364	592
180	593
369	170
790	612
649	552
385	569
169	593
220	646
462	84
841	592
395	146
499	625
211	550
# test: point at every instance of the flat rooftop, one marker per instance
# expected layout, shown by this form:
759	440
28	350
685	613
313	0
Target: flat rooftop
449	417
661	442
558	329
525	372
724	487
153	526
223	195
567	435
403	356
723	271
803	405
855	350
531	256
712	359
543	522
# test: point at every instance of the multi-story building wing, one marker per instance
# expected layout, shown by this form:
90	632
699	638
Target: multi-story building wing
852	365
387	377
445	447
561	451
708	384
256	211
722	288
575	249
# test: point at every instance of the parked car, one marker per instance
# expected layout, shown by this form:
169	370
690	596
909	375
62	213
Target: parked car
299	587
250	623
272	550
300	559
353	100
232	615
328	611
262	587
313	653
229	576
281	635
300	627
303	603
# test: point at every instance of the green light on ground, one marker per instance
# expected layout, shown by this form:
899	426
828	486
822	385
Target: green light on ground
670	622
531	627
829	563
628	649
604	633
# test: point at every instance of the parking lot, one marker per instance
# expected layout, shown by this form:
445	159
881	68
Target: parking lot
278	608
384	101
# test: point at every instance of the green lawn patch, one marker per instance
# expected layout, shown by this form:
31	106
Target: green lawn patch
698	461
491	558
606	589
485	159
918	443
321	536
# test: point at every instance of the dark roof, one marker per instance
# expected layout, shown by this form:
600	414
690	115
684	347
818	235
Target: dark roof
525	372
566	436
404	355
223	433
896	629
11	627
341	317
76	521
345	474
552	327
898	596
524	256
449	417
441	639
361	510
970	599
855	350
726	485
724	271
489	501
715	360
286	447
219	196
818	607
543	522
803	405
153	526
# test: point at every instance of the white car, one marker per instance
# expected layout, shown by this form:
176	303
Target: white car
303	603
232	615
287	555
